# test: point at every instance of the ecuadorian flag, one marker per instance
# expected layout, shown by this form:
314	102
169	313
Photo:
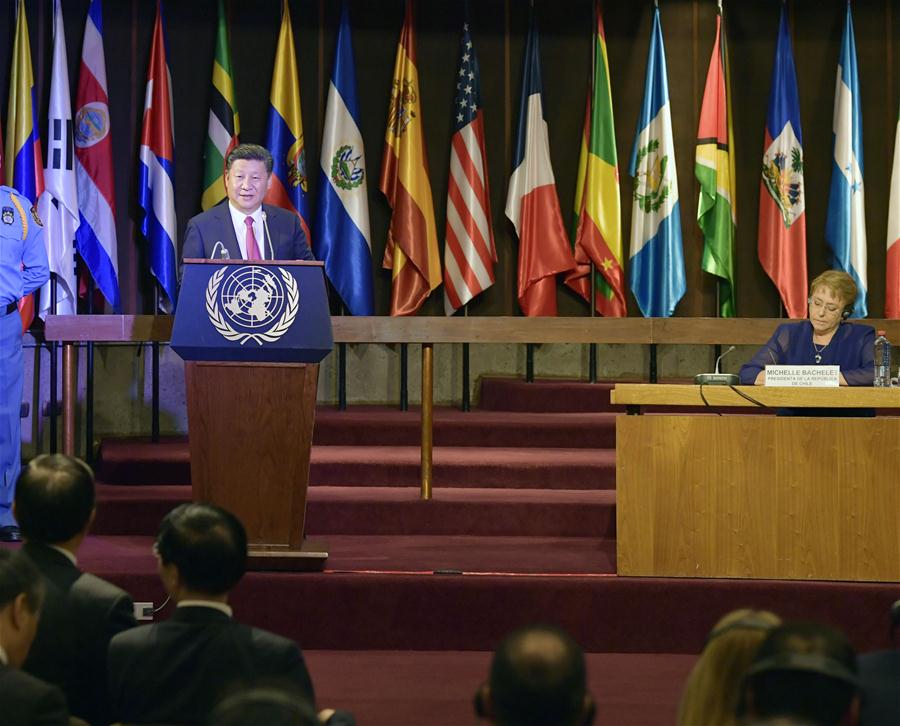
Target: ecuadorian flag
284	130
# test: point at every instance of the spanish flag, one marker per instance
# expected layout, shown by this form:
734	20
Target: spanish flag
23	143
598	236
715	172
284	130
412	245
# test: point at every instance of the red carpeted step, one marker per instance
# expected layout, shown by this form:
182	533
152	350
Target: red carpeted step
133	461
559	396
365	606
393	511
383	425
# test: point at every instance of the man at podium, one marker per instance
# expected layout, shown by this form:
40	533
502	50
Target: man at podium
245	228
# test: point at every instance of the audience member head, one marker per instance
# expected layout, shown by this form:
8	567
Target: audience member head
538	678
54	500
805	671
202	551
264	705
21	593
712	689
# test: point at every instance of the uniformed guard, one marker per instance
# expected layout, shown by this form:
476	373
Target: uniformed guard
23	269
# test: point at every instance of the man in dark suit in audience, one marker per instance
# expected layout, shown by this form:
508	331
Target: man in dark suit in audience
54	506
174	672
24	699
538	678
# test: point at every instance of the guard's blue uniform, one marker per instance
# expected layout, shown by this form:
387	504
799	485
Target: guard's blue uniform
23	269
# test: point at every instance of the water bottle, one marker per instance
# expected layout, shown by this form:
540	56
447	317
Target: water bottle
882	361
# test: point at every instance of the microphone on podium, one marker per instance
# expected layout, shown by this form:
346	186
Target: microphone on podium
718	379
265	218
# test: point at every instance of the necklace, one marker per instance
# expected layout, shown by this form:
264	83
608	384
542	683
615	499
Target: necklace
819	349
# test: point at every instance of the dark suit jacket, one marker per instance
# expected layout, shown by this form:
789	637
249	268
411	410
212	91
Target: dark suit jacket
213	229
28	701
79	616
174	672
879	676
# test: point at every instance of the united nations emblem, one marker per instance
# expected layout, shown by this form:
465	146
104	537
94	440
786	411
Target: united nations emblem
346	172
91	124
296	163
8	215
252	303
401	112
651	188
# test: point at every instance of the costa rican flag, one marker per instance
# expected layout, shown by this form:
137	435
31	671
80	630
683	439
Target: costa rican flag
156	183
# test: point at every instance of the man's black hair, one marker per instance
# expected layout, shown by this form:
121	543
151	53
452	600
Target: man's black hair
250	152
54	498
803	670
538	678
264	705
18	575
207	544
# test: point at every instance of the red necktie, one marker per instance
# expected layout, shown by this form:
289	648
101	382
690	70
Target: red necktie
252	246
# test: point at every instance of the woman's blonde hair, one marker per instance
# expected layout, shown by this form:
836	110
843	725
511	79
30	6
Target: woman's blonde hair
841	285
711	693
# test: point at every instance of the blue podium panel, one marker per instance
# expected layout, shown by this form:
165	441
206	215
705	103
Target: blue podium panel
265	311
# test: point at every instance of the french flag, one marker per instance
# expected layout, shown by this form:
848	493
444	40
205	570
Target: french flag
156	173
532	204
95	239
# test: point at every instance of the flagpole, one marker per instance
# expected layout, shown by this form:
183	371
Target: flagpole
154	375
465	367
592	347
89	386
53	367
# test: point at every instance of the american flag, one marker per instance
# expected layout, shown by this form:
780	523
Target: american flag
469	253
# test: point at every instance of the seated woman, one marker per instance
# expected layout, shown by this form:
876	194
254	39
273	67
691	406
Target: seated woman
824	339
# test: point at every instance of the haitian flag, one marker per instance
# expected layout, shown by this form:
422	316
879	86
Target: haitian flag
284	130
95	239
23	142
845	224
656	264
782	203
156	172
532	204
342	236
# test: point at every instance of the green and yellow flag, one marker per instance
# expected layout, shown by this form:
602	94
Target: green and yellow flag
598	235
224	124
716	211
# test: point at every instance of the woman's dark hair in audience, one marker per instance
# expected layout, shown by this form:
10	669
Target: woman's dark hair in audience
207	544
54	498
712	689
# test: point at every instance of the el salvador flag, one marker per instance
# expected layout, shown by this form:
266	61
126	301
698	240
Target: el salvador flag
845	225
656	261
341	235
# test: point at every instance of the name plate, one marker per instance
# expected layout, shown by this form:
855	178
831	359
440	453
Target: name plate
803	376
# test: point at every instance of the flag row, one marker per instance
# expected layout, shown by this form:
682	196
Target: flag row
73	187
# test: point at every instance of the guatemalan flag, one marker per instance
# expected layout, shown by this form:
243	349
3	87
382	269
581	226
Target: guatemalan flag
782	193
156	183
845	225
656	269
532	204
96	236
341	236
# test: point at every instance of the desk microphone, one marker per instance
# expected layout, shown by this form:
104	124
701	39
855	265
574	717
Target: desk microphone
220	246
718	379
268	236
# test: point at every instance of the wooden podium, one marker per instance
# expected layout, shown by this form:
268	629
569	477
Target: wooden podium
746	496
251	335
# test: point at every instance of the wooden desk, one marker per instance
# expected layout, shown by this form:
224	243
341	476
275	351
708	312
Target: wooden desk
758	496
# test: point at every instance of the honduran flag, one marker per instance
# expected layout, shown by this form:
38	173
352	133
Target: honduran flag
656	262
532	204
892	264
95	239
25	167
284	130
341	238
782	194
845	224
156	183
